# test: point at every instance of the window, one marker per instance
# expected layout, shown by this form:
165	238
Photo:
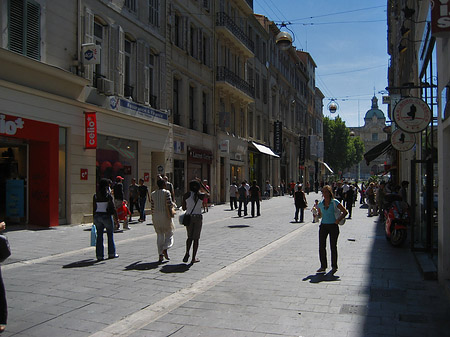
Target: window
131	5
24	28
128	75
98	40
250	123
151	80
257	86
205	113
178	30
374	137
264	90
153	12
192	45
175	103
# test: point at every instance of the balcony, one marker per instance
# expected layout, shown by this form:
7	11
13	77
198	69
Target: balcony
226	75
235	33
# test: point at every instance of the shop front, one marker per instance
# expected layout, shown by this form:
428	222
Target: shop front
29	171
199	163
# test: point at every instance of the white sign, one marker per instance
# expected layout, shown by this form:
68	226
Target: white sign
403	141
137	110
412	114
224	146
90	53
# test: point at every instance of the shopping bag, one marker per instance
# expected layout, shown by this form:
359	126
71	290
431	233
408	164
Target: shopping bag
93	235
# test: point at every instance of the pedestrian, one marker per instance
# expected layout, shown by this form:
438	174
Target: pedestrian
233	195
133	198
291	188
255	198
339	192
192	205
205	201
370	195
381	199
242	191
118	200
104	210
282	187
307	187
162	211
349	199
329	226
300	202
3	303
169	187
143	194
315	211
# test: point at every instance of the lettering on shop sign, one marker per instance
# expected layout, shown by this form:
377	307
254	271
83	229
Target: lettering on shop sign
83	174
200	154
9	127
440	17
91	130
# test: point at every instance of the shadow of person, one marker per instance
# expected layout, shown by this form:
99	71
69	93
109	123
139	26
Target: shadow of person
143	266
80	264
238	226
321	277
175	268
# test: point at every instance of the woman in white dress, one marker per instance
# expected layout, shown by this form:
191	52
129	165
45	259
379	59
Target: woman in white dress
162	213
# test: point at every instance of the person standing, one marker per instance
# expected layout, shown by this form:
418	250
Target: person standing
350	199
133	197
370	195
233	195
162	215
118	200
3	303
192	204
143	194
169	187
300	203
329	226
307	188
205	201
104	210
242	191
255	198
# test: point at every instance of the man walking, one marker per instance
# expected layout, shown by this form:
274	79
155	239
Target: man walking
242	191
133	197
233	195
143	194
255	198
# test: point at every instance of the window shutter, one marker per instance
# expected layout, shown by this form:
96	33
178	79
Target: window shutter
112	53
33	30
200	45
88	38
16	23
147	84
185	34
119	77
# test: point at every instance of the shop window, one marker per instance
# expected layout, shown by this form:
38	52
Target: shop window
116	157
24	28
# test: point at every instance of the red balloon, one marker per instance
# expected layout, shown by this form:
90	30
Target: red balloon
105	165
117	166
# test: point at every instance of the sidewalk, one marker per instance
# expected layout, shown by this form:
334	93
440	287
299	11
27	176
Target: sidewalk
256	278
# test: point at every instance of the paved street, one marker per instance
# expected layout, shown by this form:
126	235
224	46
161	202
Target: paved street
256	278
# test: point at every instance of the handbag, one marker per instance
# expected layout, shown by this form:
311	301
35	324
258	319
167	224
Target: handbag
93	235
338	213
5	250
186	220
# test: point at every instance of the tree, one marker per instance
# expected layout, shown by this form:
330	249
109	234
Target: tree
341	151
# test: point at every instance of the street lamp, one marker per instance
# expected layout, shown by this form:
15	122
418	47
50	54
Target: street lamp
333	106
284	39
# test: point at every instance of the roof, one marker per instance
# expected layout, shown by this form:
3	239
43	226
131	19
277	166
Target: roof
374	111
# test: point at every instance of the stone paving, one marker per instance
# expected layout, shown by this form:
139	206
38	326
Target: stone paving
256	278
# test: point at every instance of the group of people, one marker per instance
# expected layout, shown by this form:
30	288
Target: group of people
107	201
245	194
375	195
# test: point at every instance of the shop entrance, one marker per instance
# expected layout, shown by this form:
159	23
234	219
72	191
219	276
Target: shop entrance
13	180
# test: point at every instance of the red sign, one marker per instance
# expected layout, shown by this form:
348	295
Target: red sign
90	122
146	177
440	17
83	174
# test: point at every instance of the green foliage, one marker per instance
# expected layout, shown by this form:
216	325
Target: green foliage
341	151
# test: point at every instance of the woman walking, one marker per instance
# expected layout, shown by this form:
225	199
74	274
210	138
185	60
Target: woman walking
329	226
192	204
162	214
104	210
300	202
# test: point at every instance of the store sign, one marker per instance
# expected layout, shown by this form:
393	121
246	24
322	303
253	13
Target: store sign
403	141
200	154
146	177
90	53
440	18
302	150
412	114
83	174
224	146
137	110
9	125
277	138
90	123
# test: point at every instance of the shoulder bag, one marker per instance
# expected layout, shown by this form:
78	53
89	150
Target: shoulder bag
338	213
185	218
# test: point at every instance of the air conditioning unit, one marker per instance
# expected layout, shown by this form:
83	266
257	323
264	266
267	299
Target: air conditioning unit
105	86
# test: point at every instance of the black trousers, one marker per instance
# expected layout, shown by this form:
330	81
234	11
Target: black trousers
324	231
233	202
242	203
258	207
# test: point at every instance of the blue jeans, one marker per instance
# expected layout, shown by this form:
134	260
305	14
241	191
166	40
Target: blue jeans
101	221
142	207
302	212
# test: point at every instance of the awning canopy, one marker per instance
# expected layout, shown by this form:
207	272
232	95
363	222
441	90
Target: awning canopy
264	149
326	165
377	151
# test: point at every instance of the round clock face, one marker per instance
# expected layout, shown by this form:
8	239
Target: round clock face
403	141
412	114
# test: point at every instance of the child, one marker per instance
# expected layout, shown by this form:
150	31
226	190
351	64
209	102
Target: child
315	211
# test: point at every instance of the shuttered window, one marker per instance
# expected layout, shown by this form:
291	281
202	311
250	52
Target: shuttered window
24	35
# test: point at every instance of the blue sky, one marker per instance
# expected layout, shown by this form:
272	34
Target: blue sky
348	41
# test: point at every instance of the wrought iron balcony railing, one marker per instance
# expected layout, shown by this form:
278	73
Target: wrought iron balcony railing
224	20
225	74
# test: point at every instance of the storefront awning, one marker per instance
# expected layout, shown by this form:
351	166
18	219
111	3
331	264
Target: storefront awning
377	151
264	149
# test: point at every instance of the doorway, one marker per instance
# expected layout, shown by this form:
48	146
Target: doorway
13	181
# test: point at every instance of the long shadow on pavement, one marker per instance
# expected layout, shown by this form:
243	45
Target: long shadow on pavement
317	278
175	268
80	264
143	266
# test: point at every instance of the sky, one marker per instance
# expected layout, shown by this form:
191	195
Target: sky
347	40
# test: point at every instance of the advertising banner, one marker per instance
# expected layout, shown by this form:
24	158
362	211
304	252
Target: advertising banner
91	130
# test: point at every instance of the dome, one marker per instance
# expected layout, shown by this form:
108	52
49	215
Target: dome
374	111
